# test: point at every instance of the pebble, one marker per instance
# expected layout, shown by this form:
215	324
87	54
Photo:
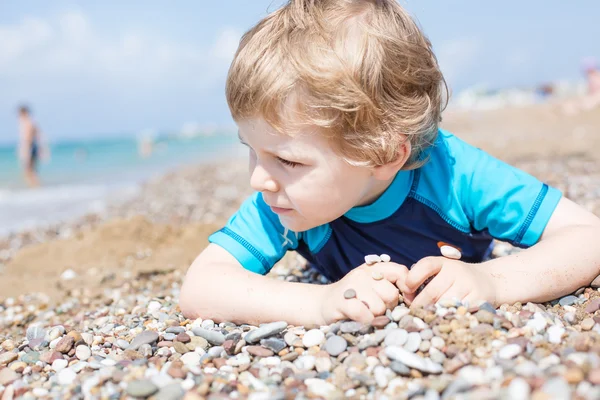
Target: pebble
213	337
349	294
190	359
413	341
265	331
568	300
83	352
59	364
66	376
509	351
587	324
396	337
450	252
372	259
377	275
141	388
314	337
335	345
146	337
413	360
385	258
8	376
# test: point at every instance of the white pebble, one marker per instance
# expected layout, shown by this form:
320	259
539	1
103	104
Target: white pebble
40	392
555	334
314	337
413	342
399	312
509	351
372	259
450	252
437	342
68	275
385	258
60	364
83	352
153	306
305	362
66	376
191	358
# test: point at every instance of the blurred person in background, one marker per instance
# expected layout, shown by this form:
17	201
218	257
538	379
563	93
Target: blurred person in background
29	149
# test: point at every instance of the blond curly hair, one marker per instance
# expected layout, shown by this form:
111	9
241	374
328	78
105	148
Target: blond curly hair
360	70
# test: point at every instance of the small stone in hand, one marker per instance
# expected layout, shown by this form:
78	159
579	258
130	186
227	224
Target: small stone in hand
372	259
450	252
385	258
350	294
377	275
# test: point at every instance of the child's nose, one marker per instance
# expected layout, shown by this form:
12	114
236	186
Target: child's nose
262	181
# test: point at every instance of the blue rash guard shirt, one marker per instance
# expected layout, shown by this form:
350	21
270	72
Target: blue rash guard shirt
462	197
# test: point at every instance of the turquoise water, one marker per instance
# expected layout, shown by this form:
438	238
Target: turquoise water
107	160
83	176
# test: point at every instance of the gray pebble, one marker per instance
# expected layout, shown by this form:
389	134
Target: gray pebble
396	337
413	360
172	391
265	331
215	351
146	337
273	344
31	358
175	329
335	345
169	336
568	300
350	327
400	368
487	307
413	341
213	337
35	332
122	344
142	388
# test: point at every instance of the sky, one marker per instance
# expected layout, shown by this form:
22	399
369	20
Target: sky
103	68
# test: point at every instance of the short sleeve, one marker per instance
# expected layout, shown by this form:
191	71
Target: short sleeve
255	237
510	204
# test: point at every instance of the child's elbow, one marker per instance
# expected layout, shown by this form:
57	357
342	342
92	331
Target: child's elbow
191	297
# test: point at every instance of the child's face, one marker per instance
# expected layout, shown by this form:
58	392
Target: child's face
303	180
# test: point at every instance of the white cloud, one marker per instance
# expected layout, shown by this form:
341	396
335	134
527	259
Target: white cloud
69	46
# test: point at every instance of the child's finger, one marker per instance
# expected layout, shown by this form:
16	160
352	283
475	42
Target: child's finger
387	292
423	269
373	302
432	292
356	310
395	273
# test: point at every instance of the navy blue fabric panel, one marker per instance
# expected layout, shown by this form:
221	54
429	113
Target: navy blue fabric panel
413	232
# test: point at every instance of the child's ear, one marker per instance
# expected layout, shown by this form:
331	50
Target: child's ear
389	170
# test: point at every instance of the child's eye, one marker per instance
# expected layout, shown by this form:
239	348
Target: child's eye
288	163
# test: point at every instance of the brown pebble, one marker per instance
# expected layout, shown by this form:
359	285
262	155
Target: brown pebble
380	322
593	306
164	343
372	351
259	351
290	356
350	294
183	338
587	324
574	375
75	335
219	362
229	346
177	372
180	347
65	344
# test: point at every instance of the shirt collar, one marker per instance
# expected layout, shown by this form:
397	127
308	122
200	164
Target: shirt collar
387	203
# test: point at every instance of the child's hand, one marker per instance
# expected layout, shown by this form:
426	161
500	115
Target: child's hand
451	279
376	290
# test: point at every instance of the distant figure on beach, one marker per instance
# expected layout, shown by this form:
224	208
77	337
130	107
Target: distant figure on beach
339	103
29	149
591	99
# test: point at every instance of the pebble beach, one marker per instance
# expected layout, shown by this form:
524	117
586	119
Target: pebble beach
88	307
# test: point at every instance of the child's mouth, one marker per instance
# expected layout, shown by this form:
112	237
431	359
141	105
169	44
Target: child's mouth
279	210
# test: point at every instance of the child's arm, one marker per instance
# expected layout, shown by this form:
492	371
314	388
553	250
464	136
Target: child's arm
566	258
218	287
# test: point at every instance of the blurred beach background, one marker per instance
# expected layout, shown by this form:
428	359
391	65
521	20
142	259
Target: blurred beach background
129	97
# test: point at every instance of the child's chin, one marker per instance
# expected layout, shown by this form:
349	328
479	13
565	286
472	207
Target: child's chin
294	225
